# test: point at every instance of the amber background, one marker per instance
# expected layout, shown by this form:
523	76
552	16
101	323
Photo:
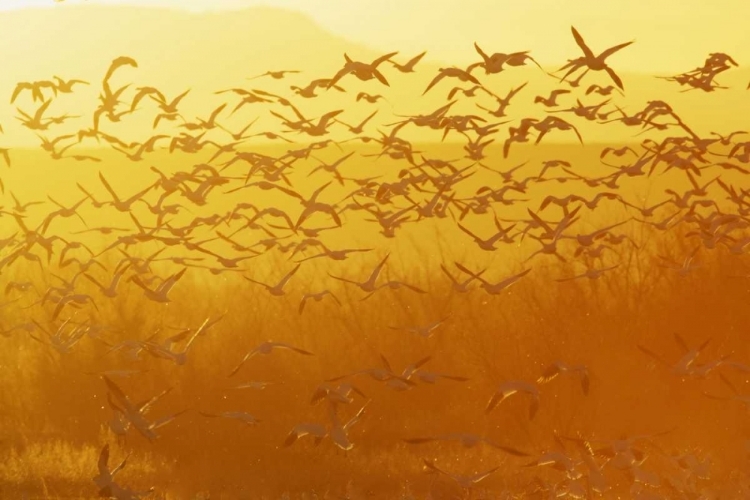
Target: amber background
53	413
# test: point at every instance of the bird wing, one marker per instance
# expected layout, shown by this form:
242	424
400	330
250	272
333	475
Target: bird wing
115	390
19	88
380	77
288	276
103	459
496	399
481	53
381	60
145	406
651	353
342	72
614	49
243	361
170	282
434	82
462	228
165	420
507	449
579	40
683	345
108	187
177	99
482	475
302	303
291	348
614	77
550	373
414	60
447	273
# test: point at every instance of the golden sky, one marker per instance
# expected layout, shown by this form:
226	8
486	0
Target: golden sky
672	35
202	45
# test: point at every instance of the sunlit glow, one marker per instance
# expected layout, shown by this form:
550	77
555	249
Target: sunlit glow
519	274
671	34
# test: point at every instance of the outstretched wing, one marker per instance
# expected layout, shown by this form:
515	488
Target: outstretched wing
579	40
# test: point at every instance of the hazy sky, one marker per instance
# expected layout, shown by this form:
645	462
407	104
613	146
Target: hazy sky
312	35
671	35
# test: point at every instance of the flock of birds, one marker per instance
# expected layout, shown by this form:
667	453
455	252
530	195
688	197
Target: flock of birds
425	188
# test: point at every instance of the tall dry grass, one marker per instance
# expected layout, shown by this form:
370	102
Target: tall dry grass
54	411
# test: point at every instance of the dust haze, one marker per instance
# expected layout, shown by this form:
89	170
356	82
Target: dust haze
242	257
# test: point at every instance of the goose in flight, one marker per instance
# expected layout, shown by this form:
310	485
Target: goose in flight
686	365
73	299
556	460
317	297
550	101
586	240
384	373
488	244
277	289
687	264
409	66
425	331
603	91
372	99
159	294
111	290
494	288
120	424
554	123
333	167
362	71
502	102
466	482
61	340
267	348
180	357
335	393
494	64
463	286
736	396
357	130
134	413
558	368
105	480
340	432
457	73
511	387
318	431
120	204
276	75
35	88
403	382
592	62
369	284
23	287
337	431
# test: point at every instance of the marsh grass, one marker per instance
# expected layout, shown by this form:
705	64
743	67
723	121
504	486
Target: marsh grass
54	413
